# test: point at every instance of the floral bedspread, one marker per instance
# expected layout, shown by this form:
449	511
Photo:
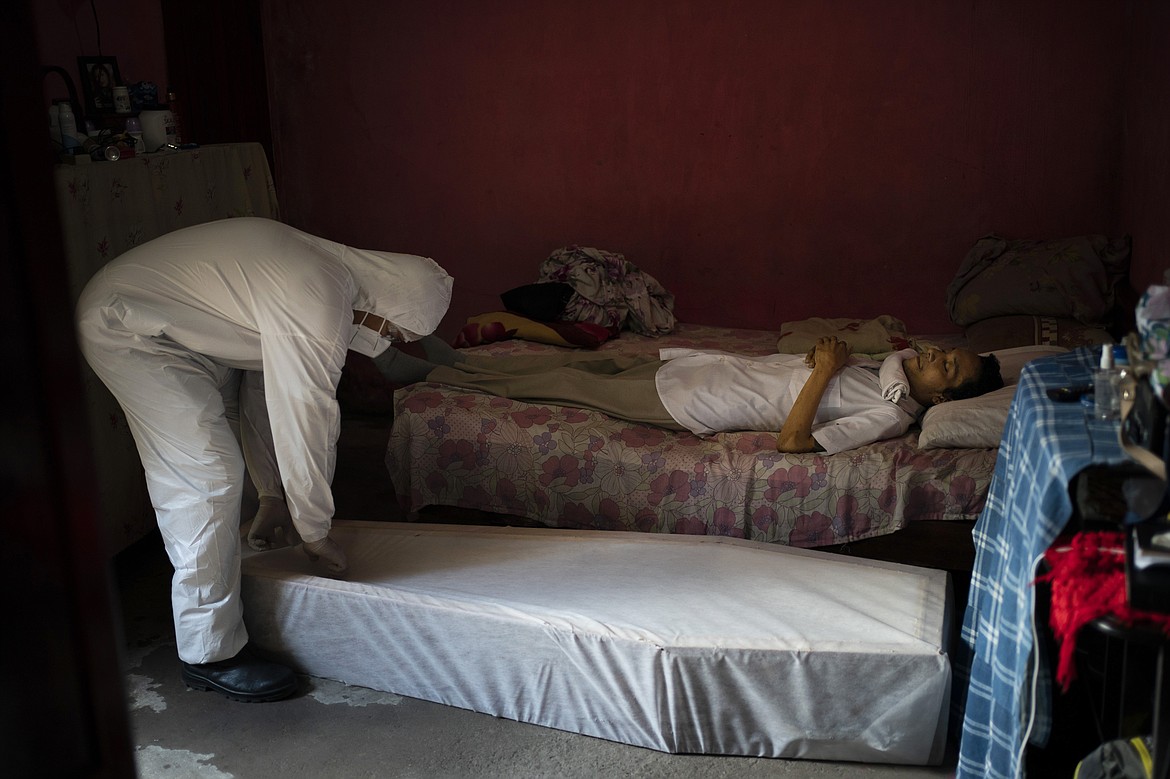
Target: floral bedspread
566	467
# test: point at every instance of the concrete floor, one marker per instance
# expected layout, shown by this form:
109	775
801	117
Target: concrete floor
332	730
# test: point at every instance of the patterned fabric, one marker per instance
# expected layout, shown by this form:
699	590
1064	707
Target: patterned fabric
1044	446
876	337
1153	323
567	467
610	290
109	207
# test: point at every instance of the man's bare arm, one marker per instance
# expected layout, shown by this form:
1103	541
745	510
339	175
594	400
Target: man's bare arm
826	358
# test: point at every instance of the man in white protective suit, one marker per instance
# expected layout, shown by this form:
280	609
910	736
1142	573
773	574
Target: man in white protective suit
178	329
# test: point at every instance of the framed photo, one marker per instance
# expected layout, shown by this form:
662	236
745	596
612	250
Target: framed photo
99	76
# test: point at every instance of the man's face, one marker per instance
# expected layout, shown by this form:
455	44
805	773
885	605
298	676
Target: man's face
934	373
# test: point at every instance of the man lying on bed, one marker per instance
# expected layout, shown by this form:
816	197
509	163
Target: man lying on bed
824	401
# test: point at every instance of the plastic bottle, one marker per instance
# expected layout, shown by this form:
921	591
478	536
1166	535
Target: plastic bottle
1106	380
176	114
134	130
70	141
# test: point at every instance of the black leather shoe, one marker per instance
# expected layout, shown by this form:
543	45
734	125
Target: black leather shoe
242	678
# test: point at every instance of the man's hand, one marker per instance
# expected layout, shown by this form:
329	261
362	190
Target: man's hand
830	352
329	553
826	358
272	527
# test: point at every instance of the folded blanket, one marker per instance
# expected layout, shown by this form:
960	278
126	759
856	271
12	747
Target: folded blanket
875	337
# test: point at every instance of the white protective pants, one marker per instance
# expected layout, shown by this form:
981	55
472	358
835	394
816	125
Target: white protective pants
180	407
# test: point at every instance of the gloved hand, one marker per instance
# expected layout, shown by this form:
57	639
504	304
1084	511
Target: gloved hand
272	527
329	552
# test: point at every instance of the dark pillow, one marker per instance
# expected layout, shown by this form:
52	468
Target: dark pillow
543	301
1073	278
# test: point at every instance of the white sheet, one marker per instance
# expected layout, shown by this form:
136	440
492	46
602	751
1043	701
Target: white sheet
693	644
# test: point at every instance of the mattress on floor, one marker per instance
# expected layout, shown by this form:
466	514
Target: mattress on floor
684	644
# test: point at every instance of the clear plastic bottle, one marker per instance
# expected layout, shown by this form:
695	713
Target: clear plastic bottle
1106	390
70	141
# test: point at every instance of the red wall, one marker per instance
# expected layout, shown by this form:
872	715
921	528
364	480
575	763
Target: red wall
130	30
764	160
1144	197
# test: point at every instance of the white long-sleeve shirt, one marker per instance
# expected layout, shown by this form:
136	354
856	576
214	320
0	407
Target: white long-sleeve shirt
710	391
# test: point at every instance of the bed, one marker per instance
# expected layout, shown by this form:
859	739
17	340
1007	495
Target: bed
541	464
458	453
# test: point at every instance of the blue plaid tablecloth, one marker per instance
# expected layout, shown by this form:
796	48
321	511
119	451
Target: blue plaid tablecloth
1045	444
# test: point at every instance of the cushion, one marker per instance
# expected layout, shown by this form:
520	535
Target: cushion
1002	332
883	335
977	423
1077	278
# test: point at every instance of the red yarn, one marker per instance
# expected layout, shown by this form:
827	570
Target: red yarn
1088	581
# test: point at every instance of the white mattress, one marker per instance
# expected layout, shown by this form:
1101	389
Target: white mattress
688	644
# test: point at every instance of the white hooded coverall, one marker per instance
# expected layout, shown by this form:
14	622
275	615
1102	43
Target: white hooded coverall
173	325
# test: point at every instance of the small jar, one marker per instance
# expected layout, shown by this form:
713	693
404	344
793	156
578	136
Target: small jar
121	100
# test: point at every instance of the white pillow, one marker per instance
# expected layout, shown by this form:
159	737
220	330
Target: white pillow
1012	361
977	423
